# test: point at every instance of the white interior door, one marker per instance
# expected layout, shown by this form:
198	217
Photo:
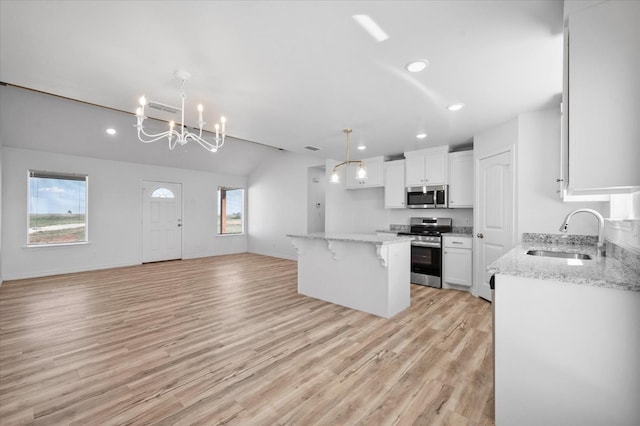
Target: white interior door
161	221
494	221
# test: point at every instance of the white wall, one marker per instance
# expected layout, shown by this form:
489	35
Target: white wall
1	279
277	203
535	137
115	212
540	208
624	229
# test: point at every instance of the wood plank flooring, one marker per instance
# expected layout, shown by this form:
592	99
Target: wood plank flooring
227	340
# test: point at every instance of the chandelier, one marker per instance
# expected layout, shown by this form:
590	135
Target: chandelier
183	136
361	173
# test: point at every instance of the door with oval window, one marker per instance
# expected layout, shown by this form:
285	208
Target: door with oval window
161	221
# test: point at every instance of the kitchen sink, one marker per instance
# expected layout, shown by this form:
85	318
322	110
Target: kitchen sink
562	254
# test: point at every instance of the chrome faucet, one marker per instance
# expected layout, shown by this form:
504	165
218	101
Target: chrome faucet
565	225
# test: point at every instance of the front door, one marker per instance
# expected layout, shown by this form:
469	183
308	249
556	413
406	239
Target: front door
494	230
161	221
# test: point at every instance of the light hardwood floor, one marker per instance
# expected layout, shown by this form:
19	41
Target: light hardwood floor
227	340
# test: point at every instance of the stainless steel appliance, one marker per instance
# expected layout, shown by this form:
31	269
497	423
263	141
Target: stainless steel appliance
426	249
428	197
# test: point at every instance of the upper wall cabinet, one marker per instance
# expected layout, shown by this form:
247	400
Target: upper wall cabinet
603	87
427	166
374	174
461	179
394	189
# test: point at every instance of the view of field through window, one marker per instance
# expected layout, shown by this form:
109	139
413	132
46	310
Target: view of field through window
57	208
230	210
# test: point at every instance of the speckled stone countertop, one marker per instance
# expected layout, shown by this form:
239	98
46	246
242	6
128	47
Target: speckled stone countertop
354	238
458	231
606	272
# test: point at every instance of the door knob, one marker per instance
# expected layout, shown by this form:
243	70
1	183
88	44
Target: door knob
480	235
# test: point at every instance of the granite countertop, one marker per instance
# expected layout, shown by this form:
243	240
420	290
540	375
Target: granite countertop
606	272
458	231
354	238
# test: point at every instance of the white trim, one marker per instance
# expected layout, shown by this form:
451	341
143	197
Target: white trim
86	205
79	243
51	272
142	198
480	155
273	254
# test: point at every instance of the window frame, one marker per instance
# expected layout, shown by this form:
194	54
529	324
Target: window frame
219	220
35	173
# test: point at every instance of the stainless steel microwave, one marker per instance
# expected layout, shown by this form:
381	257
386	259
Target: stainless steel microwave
428	197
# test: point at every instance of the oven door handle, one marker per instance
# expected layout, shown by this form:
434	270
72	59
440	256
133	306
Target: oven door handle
424	244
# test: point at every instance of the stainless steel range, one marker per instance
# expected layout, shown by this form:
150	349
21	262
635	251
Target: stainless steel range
426	249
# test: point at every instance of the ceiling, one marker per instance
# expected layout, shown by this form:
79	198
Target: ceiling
290	74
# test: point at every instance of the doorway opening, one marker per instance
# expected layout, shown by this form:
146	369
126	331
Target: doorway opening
316	188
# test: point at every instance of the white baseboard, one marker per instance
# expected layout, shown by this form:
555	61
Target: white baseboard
39	274
274	254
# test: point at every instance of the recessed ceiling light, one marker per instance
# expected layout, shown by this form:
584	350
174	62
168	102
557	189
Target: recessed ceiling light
362	147
421	135
417	66
371	27
455	107
111	131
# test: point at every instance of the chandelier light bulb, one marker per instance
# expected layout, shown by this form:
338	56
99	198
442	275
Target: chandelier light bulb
200	108
361	174
142	100
335	177
138	112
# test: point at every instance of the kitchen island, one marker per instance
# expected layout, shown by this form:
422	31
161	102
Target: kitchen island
366	272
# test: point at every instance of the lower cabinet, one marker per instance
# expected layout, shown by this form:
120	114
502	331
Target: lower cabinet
565	353
457	261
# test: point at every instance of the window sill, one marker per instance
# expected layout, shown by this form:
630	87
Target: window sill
32	246
231	235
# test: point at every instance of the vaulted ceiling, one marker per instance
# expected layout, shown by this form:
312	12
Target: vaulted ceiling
290	74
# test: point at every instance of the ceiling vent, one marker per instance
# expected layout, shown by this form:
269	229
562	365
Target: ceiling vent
312	148
163	107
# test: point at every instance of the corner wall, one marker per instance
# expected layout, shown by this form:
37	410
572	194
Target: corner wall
540	208
277	203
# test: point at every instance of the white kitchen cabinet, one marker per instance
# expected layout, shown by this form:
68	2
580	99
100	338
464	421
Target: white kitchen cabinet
457	261
461	179
427	166
394	189
565	353
603	101
375	176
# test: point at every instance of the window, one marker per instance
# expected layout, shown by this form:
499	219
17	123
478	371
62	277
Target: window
57	208
230	210
162	193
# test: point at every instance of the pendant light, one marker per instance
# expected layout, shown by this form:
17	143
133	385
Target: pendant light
361	172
